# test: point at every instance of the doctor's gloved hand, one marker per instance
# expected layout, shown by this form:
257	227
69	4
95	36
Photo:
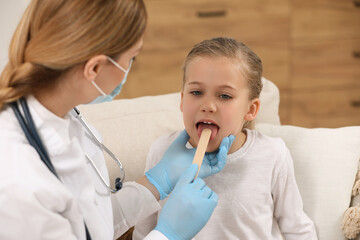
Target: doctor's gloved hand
178	158
188	208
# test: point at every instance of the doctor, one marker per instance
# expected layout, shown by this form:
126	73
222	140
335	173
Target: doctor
70	52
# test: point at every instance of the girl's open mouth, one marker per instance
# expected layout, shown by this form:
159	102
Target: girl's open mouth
201	125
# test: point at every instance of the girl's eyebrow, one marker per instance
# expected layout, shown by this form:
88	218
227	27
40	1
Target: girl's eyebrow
195	83
221	86
227	86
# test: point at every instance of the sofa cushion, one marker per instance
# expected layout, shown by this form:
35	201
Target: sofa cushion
325	163
269	104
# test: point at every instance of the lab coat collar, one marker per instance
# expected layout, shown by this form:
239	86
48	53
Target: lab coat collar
43	115
56	132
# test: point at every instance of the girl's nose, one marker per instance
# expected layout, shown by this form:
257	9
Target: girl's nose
208	106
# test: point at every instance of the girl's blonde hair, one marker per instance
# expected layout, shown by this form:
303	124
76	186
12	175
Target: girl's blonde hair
249	63
53	36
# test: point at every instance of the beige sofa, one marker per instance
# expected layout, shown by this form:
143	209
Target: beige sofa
325	160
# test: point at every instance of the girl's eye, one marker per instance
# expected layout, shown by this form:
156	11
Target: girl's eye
225	96
196	93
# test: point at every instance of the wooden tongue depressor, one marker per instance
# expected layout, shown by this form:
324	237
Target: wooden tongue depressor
201	148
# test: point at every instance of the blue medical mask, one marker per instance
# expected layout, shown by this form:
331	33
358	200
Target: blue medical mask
105	97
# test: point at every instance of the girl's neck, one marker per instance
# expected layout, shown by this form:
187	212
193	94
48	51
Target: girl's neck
239	141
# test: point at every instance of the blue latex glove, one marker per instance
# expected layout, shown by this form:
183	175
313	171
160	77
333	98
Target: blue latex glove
188	208
178	158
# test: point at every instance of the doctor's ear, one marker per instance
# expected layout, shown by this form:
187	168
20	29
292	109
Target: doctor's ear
181	101
93	66
253	110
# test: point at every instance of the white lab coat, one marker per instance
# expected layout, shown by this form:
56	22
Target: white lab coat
34	204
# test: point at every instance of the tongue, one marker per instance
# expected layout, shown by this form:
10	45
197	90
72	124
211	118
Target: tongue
214	129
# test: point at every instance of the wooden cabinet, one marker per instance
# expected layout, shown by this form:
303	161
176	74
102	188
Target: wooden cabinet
181	24
310	49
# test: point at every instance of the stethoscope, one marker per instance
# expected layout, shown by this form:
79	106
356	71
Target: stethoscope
28	127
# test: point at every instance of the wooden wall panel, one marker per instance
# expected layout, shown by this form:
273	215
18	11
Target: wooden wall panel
325	64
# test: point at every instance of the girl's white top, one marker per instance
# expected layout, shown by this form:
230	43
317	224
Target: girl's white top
258	194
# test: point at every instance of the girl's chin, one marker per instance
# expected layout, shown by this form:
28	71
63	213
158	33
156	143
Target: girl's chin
212	147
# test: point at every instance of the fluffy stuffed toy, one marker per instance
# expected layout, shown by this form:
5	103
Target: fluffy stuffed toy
351	219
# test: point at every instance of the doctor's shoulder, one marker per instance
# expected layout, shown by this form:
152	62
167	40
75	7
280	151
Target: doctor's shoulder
14	147
23	176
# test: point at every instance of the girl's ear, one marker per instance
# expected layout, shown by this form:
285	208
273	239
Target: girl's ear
181	101
93	66
253	110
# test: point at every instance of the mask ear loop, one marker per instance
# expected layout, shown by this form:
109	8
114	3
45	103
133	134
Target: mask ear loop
117	65
99	89
127	71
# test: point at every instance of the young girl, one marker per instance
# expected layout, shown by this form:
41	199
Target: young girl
258	194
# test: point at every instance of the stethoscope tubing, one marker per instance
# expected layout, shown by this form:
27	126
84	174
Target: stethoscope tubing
31	134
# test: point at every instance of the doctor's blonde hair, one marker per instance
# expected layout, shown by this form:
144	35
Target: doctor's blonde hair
53	36
249	63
